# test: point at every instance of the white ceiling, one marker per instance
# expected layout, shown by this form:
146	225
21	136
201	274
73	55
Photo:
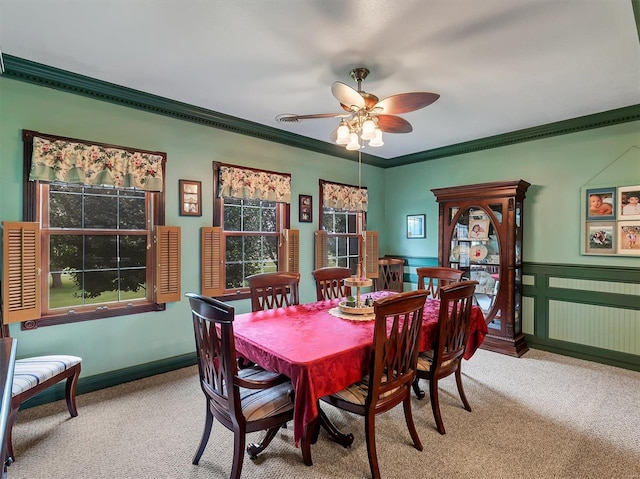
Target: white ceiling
499	65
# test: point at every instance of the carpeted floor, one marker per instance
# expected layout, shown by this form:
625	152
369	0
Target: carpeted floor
539	416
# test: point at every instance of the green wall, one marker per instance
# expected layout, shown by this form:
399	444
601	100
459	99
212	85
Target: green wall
556	167
121	342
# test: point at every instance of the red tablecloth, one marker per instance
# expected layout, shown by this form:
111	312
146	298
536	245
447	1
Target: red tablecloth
321	353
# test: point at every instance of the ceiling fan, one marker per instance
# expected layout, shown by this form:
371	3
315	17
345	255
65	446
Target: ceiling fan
366	115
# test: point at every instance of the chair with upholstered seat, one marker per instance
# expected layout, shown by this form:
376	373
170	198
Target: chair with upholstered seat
390	275
330	284
452	333
437	277
243	400
273	290
392	368
35	374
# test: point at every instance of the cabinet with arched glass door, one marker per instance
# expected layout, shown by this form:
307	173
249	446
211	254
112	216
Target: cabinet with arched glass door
480	232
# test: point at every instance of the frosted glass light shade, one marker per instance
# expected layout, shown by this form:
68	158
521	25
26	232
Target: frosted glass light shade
377	139
368	130
354	143
343	134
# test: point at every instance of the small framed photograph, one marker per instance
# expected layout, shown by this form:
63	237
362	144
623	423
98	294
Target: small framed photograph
305	209
190	198
601	204
629	237
416	226
479	229
629	202
601	237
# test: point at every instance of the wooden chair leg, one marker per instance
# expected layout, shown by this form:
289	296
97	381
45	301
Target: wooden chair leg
239	438
420	394
70	391
461	390
205	436
435	405
408	417
370	432
10	422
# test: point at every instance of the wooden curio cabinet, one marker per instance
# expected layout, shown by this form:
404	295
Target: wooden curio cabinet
480	230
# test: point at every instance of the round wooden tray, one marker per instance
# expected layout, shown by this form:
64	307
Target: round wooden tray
362	309
358	283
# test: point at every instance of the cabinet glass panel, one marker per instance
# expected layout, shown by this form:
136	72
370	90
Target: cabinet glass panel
475	250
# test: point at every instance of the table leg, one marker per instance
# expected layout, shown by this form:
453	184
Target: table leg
310	437
345	440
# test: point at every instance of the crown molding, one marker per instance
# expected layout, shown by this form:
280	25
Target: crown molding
50	77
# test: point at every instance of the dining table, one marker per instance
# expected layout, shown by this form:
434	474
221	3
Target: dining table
322	350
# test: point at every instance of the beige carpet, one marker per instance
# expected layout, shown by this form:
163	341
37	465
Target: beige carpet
539	416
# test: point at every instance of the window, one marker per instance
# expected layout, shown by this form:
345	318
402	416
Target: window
343	237
250	233
97	242
342	234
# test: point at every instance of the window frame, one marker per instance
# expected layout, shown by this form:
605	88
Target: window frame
360	217
283	222
34	210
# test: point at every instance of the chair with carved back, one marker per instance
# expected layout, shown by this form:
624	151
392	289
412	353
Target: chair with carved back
330	284
33	375
445	358
243	400
437	277
390	274
392	368
273	290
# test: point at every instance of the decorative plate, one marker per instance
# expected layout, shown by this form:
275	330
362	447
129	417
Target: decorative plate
478	252
461	249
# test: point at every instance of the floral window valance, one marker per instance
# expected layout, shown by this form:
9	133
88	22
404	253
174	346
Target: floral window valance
254	184
90	164
344	197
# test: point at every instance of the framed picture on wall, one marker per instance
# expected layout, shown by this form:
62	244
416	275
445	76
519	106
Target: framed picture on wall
190	198
629	237
305	211
601	237
629	203
416	226
600	203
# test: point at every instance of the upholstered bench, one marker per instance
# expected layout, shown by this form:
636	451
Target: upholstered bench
33	375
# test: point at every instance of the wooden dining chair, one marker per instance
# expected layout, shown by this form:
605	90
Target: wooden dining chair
392	368
273	290
437	277
329	284
390	274
243	400
451	339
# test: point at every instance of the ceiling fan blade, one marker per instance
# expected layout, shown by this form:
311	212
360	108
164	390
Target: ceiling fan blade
393	124
293	118
406	102
347	96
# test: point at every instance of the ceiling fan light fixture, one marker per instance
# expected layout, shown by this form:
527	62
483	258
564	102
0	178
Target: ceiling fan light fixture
377	139
368	129
354	142
342	134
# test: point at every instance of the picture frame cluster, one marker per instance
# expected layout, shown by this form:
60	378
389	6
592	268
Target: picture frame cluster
612	220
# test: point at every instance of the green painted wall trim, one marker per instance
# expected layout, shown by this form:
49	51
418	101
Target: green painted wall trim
588	353
43	75
542	294
113	378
